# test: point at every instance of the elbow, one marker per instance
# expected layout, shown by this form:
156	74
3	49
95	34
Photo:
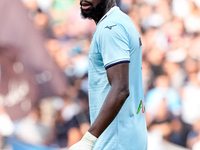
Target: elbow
125	90
124	93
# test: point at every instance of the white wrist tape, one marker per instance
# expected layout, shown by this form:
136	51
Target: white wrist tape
86	143
89	138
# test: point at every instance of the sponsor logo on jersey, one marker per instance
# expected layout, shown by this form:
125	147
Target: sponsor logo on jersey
110	27
141	106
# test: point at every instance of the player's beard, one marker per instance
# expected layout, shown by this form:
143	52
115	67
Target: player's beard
95	13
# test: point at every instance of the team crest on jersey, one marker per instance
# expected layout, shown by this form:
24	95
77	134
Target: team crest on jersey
141	106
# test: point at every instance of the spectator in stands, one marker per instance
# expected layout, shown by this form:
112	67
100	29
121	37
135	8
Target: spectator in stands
162	105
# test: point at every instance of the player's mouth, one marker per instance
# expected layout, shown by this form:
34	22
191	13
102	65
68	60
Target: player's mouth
85	5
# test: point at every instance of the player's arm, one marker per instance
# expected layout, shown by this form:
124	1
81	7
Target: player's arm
118	76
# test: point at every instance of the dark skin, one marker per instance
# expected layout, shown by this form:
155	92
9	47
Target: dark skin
108	5
118	77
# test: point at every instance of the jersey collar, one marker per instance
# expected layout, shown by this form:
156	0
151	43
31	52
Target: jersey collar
113	8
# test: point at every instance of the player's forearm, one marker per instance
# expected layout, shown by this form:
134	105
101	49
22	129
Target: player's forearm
112	105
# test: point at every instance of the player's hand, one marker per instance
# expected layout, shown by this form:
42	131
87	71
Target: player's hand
86	143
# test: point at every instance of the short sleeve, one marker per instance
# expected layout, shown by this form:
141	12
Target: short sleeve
114	45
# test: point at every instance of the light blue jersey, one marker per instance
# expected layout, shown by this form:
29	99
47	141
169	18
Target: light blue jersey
114	41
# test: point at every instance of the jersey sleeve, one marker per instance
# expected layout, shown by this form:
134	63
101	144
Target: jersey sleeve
114	45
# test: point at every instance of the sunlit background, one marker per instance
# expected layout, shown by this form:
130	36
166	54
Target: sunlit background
44	47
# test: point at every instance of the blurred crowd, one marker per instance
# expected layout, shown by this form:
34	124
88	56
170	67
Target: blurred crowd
170	33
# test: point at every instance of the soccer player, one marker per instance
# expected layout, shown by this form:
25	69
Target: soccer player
116	97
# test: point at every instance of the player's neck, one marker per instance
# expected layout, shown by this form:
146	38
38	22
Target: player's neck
109	5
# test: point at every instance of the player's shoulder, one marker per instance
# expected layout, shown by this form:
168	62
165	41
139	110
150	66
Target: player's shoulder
121	20
121	17
115	23
115	16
